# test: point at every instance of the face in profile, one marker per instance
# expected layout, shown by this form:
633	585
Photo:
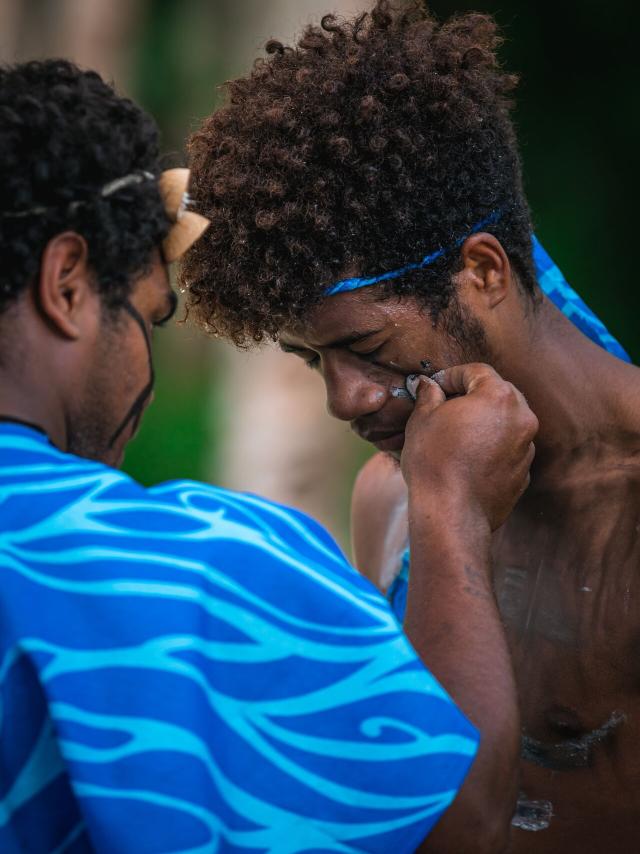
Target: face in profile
119	375
364	346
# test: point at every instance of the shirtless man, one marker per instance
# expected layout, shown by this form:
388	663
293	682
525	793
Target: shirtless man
368	213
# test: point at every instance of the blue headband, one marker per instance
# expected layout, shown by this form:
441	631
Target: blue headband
549	277
354	284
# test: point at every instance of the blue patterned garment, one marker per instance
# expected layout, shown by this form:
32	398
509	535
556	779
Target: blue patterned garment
185	669
556	287
399	587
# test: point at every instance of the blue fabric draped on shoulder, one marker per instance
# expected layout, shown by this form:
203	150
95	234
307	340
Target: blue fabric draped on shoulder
556	287
184	669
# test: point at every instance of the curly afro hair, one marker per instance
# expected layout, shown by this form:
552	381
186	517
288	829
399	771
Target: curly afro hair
64	134
367	145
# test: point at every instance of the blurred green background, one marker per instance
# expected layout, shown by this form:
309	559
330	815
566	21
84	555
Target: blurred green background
577	123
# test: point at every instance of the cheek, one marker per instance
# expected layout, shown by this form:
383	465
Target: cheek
412	360
134	361
123	372
428	353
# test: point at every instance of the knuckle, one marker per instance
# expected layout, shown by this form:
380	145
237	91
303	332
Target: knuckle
504	392
482	371
530	425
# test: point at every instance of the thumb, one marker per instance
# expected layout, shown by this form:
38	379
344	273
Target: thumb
427	394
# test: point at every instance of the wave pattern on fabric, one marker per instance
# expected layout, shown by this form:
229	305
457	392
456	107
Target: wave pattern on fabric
185	669
560	292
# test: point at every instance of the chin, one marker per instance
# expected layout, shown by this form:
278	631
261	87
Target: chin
391	445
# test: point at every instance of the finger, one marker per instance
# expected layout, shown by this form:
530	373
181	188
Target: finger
462	379
531	453
525	484
427	394
525	477
533	424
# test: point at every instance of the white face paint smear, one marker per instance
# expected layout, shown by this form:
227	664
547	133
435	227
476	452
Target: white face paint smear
532	815
400	392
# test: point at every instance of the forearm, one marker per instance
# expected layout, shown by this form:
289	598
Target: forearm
453	623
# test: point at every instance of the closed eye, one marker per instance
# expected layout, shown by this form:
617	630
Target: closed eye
372	356
173	305
311	359
368	354
313	362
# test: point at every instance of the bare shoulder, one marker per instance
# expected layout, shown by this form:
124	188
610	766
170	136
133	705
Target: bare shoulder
378	519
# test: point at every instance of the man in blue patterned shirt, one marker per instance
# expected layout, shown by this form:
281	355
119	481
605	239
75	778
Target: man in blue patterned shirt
184	668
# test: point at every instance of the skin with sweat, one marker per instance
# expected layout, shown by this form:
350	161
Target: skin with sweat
565	564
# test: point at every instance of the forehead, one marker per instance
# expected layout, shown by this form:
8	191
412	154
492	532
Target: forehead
359	311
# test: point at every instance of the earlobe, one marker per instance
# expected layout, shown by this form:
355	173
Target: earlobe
487	268
64	284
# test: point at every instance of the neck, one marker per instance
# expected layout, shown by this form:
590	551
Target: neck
581	394
33	372
29	391
28	404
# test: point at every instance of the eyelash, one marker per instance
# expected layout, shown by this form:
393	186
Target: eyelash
370	354
313	363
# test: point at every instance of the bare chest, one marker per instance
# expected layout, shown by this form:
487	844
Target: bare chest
567	583
568	590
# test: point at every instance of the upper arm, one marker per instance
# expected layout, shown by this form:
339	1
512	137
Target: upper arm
466	828
378	519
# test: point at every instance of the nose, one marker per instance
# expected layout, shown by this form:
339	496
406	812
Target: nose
351	393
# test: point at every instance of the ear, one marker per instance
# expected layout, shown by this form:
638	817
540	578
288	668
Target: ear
64	285
486	268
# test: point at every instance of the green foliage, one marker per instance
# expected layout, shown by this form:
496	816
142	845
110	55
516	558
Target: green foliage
177	434
576	118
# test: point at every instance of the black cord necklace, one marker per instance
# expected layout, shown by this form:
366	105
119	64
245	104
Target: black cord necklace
135	412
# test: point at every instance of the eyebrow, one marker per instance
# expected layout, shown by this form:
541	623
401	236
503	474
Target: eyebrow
339	342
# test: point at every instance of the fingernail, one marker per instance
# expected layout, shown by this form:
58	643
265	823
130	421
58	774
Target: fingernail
411	383
438	377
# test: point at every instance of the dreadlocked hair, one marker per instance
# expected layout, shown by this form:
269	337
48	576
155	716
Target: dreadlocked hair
368	144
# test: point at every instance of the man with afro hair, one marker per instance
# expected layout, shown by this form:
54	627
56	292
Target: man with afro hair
183	668
364	188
